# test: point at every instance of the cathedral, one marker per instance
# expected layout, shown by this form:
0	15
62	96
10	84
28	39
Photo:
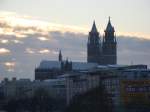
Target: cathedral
102	50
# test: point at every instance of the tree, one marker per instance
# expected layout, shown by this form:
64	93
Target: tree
95	100
138	103
41	101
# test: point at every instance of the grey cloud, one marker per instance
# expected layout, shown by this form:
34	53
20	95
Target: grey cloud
73	45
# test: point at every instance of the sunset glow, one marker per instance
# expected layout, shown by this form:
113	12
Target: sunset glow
32	31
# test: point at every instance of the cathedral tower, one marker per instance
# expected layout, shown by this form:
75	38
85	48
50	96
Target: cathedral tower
94	46
109	45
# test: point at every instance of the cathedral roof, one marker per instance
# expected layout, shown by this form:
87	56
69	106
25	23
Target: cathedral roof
75	65
109	26
94	29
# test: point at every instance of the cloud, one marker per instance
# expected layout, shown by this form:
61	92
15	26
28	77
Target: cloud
10	66
27	44
4	41
43	38
4	51
23	25
17	41
29	54
30	50
138	35
38	51
44	51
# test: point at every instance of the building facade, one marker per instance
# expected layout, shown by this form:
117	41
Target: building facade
102	52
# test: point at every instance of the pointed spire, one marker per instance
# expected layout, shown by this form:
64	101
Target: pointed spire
109	20
60	56
94	29
109	26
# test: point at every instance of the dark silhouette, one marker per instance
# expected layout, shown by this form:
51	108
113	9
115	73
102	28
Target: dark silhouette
40	102
138	104
102	52
95	100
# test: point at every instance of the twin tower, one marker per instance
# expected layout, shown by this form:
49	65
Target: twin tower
102	51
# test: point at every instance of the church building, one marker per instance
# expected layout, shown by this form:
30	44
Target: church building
102	51
99	52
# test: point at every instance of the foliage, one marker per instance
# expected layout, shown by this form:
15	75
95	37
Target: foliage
95	100
40	102
138	103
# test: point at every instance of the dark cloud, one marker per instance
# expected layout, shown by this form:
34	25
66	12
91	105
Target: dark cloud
73	45
133	49
22	47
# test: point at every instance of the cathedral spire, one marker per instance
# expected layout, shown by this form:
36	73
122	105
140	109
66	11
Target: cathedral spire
94	46
109	47
94	29
109	26
60	56
109	19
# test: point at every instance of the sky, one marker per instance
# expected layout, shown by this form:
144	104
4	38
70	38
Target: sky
35	30
127	15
